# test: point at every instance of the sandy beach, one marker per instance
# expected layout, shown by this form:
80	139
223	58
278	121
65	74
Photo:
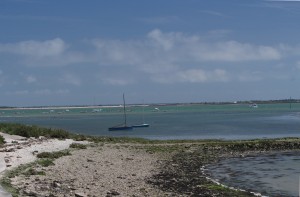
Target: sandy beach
20	150
100	170
124	168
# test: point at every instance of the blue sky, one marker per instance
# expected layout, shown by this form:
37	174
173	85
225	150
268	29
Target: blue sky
63	52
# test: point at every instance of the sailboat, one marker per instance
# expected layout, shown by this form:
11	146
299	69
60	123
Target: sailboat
141	125
124	125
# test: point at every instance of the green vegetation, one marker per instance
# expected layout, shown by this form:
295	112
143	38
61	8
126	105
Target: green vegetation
53	155
45	159
186	156
225	191
32	171
6	184
26	170
45	162
2	140
33	131
78	146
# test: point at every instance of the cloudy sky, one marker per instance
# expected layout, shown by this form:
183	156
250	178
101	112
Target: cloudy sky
76	52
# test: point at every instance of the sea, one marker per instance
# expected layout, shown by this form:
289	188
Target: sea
192	121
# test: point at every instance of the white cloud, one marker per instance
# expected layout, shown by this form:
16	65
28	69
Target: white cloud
250	76
284	0
71	79
48	53
161	20
177	48
165	55
35	48
213	13
2	78
117	81
30	79
40	92
45	92
199	75
158	54
17	93
233	51
298	65
193	76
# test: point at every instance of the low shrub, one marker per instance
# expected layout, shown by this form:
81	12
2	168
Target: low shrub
33	131
45	162
78	146
31	171
53	155
2	140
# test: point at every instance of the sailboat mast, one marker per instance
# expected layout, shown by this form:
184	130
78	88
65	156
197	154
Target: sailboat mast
124	109
143	112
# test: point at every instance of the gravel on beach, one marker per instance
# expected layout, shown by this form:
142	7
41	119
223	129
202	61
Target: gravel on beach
130	169
106	170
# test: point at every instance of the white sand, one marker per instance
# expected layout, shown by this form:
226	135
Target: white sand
20	150
94	171
24	150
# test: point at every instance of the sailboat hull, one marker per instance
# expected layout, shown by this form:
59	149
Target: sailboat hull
121	128
140	125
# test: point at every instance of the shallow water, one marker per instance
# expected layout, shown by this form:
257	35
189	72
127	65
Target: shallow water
275	174
172	122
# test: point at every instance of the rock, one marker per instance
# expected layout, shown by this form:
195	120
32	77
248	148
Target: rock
42	138
35	152
77	194
56	184
113	193
9	150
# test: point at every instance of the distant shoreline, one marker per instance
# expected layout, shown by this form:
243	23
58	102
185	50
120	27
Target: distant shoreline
246	102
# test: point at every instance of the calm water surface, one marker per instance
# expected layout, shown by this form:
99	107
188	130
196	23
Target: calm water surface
275	174
172	122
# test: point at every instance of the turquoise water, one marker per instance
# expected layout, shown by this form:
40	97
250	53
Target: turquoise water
171	122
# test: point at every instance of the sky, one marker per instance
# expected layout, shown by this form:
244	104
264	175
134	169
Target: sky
78	52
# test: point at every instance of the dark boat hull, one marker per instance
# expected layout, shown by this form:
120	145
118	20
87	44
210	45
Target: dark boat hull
141	125
122	128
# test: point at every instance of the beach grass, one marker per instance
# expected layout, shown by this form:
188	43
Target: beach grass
45	162
53	155
33	131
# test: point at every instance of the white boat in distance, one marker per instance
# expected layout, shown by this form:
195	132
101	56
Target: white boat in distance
141	125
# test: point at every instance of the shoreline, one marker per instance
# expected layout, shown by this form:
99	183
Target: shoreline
146	168
182	174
